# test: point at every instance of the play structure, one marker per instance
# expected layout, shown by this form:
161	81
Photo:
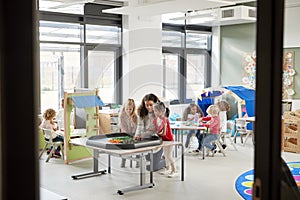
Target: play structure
89	102
290	140
240	98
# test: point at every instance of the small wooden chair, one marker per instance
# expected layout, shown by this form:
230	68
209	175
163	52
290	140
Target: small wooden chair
49	142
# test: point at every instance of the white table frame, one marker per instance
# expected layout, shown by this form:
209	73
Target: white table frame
178	129
126	153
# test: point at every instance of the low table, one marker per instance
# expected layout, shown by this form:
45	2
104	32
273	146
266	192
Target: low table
126	153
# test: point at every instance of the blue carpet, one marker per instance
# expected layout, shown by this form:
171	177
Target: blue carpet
244	182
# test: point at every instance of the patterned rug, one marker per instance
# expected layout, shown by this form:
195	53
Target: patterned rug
244	182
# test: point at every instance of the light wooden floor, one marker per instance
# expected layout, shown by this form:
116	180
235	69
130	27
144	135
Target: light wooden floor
212	178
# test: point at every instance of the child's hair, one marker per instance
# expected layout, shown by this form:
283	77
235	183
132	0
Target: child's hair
130	102
160	106
223	105
142	110
188	111
49	114
213	110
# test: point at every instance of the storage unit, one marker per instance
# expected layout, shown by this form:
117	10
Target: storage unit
291	132
108	122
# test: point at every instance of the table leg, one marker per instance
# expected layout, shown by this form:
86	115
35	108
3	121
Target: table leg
181	134
109	164
96	171
202	145
142	185
151	167
182	162
176	139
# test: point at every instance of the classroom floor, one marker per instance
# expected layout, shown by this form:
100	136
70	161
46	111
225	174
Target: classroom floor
212	178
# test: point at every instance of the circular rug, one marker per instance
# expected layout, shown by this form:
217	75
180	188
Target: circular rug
244	182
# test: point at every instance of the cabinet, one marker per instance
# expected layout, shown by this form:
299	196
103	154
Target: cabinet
290	132
108	122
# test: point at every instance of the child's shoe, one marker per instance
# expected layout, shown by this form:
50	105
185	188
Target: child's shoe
56	154
224	146
212	151
164	171
172	174
48	152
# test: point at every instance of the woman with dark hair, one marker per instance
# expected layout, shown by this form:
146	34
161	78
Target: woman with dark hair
145	112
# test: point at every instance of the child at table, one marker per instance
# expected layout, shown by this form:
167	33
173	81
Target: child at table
128	121
212	121
191	114
56	135
162	125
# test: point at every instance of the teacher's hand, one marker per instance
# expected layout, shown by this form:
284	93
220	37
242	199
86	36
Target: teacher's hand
137	137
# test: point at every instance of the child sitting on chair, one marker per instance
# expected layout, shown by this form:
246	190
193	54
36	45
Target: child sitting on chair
128	121
162	125
191	114
48	123
212	121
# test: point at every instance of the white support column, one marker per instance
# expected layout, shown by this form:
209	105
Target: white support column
215	58
142	54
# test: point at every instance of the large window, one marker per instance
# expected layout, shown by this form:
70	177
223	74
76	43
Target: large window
60	70
68	57
103	34
186	62
195	74
60	32
171	75
172	39
101	73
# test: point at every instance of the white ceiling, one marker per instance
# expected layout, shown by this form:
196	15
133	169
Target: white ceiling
158	7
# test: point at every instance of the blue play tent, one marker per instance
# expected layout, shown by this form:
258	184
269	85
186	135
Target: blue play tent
240	93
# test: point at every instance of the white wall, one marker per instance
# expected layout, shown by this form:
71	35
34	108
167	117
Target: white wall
291	27
142	53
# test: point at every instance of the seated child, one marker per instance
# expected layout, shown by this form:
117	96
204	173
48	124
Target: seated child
212	121
56	135
191	114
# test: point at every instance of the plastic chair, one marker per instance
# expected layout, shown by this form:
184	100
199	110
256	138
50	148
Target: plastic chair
217	142
241	128
224	135
249	132
219	145
49	142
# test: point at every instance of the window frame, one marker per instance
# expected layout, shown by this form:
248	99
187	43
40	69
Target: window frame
90	18
183	51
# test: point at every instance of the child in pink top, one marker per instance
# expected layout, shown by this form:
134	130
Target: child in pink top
162	125
213	123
